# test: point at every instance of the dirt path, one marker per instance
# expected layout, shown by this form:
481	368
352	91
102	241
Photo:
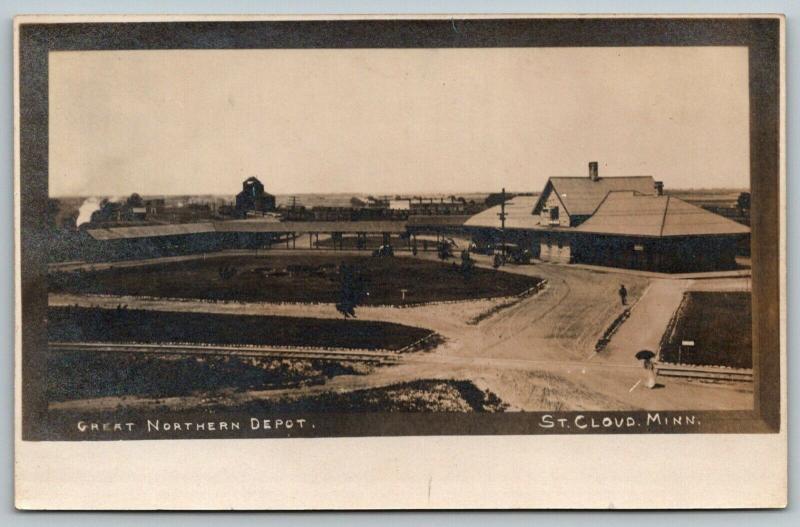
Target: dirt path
645	326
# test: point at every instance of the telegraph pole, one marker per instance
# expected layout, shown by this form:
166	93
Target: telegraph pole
502	216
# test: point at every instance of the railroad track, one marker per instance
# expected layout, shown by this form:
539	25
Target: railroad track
228	351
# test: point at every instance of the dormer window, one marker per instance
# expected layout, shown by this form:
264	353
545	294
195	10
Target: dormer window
554	218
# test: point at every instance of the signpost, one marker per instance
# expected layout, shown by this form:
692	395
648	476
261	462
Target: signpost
684	344
502	216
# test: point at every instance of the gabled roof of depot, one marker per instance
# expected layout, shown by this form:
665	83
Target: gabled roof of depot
633	214
582	195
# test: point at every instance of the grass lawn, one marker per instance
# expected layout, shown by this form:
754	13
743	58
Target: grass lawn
77	324
351	242
299	277
720	325
84	375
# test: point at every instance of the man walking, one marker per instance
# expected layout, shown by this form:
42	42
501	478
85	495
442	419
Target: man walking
623	294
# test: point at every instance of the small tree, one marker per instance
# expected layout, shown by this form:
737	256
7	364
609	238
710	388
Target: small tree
467	265
351	292
135	200
743	203
444	251
226	272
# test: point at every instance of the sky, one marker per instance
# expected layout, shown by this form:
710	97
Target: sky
389	121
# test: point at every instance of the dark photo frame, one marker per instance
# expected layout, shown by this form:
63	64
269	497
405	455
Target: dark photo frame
761	35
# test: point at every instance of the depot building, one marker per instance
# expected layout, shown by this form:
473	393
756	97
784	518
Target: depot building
623	222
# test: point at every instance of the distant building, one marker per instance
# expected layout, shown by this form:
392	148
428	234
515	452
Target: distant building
154	206
496	198
377	203
253	198
616	222
138	213
441	206
342	214
357	203
399	204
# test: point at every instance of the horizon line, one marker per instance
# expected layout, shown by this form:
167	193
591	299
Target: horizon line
365	193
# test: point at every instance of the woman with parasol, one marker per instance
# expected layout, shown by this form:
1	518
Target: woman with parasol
647	356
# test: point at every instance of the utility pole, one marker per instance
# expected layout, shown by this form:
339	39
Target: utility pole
502	216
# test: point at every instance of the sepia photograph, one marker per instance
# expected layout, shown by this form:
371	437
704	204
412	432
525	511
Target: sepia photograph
357	228
400	231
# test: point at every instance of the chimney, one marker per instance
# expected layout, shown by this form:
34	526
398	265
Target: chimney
659	186
593	171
